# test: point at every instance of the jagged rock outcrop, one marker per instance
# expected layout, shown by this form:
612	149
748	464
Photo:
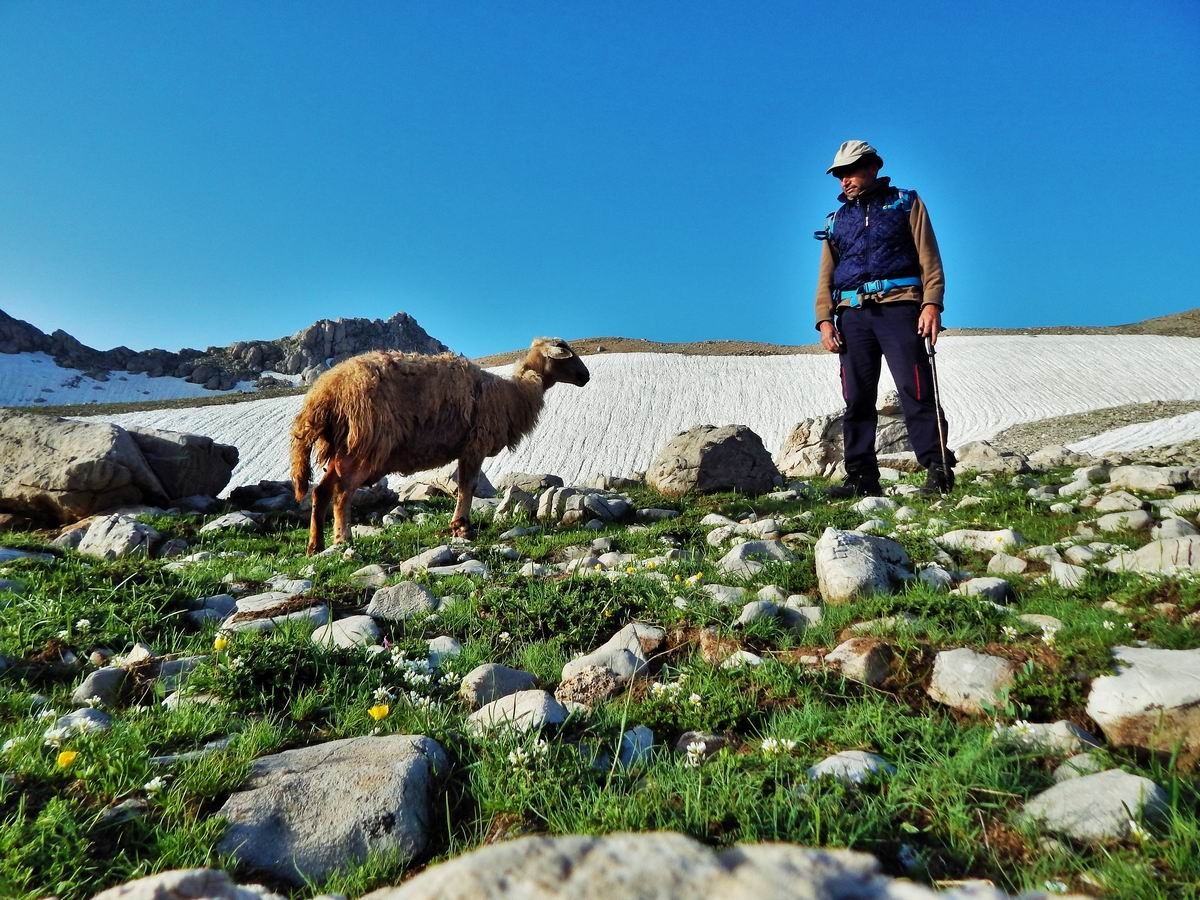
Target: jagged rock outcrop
308	352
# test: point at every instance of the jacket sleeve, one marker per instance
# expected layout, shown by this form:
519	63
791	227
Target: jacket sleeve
824	300
933	279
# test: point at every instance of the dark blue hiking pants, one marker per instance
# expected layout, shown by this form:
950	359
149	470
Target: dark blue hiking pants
888	330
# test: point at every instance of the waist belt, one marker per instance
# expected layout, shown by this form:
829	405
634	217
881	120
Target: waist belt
877	287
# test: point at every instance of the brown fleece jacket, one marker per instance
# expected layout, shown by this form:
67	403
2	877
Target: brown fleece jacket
933	281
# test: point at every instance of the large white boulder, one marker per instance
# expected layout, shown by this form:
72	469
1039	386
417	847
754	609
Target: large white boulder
852	565
1153	701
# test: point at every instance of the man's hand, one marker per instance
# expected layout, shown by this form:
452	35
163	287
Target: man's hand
930	322
829	337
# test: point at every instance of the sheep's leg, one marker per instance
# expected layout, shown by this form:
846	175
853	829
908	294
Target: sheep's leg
468	474
320	504
352	478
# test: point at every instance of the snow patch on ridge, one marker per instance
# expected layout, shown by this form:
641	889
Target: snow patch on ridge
28	379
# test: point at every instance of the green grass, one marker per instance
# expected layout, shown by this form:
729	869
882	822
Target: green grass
947	813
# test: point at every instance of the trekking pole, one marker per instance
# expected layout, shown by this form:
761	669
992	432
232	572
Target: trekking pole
937	399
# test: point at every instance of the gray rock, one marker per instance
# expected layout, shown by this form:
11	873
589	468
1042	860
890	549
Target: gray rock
442	648
635	747
516	503
352	631
1066	575
81	721
1153	702
1054	737
814	446
401	602
735	561
234	521
625	653
1136	520
724	594
63	470
1119	501
1173	527
1165	557
995	589
1185	504
868	505
851	565
472	567
187	884
521	711
1080	764
316	615
707	459
659	865
525	481
370	576
434	557
981	456
937	577
851	767
305	813
969	681
111	537
1149	479
1080	556
1003	564
862	659
107	684
489	682
186	464
655	514
981	541
1098	807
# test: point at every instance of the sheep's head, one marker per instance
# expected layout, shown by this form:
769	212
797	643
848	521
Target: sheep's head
555	361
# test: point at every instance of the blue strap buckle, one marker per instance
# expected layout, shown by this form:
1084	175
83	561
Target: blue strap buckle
872	287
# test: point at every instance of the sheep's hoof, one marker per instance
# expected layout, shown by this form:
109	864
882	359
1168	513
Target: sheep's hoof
461	528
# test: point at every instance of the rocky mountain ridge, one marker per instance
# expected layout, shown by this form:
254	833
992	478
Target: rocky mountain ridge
307	353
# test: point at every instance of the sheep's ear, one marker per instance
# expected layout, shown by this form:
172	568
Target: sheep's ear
557	351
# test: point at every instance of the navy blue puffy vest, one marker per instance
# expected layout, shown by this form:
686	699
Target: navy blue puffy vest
871	238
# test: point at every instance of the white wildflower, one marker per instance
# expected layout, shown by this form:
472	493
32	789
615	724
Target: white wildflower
504	637
1048	636
695	753
237	663
94	701
1009	632
47	714
518	758
155	784
83	625
695	699
1109	625
1054	887
777	746
1138	832
449	679
11	744
382	695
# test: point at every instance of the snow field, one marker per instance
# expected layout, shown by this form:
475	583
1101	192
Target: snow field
33	378
1174	430
636	401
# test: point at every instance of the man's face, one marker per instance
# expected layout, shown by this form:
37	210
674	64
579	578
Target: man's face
855	181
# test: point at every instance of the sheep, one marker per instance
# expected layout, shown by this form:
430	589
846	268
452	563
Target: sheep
384	412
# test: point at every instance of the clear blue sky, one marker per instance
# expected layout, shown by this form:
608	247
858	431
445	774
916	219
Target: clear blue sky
184	174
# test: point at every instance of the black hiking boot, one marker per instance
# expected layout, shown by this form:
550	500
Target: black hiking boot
857	484
940	480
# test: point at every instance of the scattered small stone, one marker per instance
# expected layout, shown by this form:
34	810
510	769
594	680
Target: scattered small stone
1003	564
522	711
401	602
1055	737
851	767
352	631
234	521
1099	807
970	681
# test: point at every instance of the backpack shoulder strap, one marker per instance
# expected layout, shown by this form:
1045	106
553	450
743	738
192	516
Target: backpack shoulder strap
903	200
826	233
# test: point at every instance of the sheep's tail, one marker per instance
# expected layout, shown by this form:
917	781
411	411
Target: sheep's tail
306	431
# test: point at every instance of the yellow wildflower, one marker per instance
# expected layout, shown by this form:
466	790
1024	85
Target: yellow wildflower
220	642
379	711
629	570
66	757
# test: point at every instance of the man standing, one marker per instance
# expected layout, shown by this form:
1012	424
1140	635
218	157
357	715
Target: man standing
879	292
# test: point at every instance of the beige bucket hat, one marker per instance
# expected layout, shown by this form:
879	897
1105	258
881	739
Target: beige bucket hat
851	152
